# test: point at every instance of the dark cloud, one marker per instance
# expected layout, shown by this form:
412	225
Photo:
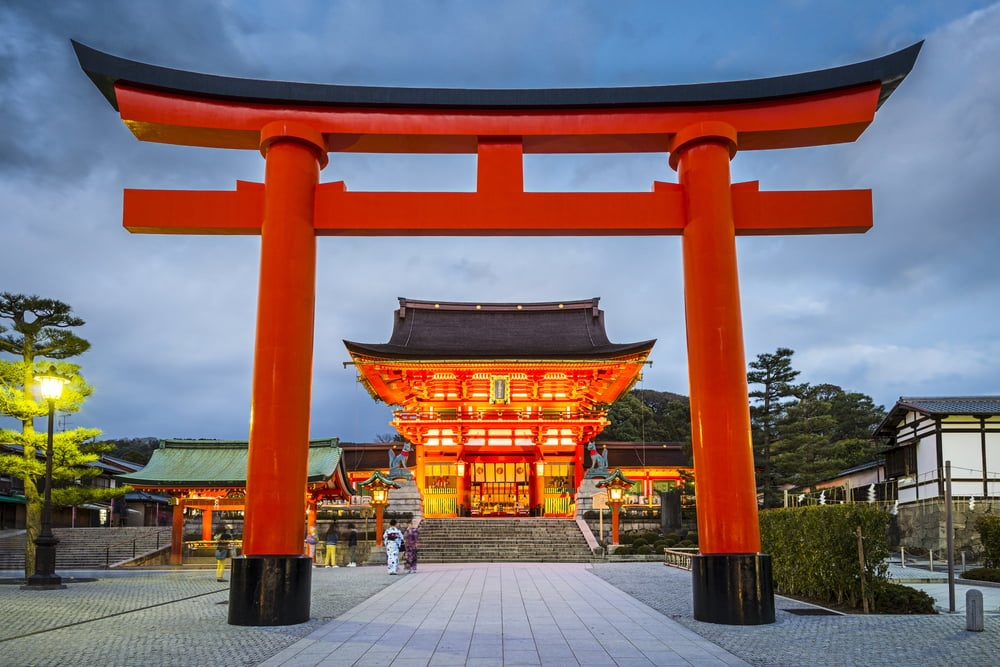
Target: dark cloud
904	309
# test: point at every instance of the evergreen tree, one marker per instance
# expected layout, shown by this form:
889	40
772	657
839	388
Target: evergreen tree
828	430
39	329
645	415
774	374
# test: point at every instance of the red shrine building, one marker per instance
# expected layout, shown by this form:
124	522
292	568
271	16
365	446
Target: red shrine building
499	400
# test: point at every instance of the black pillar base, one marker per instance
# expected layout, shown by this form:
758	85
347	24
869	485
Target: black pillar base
43	582
733	589
270	590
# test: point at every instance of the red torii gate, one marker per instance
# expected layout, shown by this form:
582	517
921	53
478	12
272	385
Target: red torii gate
296	125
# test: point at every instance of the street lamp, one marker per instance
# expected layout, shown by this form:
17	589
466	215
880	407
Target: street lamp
50	386
616	483
379	485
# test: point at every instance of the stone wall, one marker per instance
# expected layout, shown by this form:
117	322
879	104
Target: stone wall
923	524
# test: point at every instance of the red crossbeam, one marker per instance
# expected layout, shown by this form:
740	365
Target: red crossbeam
343	213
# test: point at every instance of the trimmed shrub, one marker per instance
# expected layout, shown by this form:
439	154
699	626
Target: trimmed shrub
814	551
989	532
892	598
644	549
983	574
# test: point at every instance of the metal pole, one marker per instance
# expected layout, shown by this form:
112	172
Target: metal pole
45	577
950	536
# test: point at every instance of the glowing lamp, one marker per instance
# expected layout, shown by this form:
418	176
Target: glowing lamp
378	485
540	468
615	483
50	385
460	468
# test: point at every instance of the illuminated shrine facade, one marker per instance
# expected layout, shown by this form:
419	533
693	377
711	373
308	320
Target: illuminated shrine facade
499	399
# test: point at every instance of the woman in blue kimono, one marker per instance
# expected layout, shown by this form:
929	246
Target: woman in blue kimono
392	538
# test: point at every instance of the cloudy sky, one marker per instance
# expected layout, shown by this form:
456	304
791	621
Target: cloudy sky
911	308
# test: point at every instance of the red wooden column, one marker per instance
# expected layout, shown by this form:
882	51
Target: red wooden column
282	382
732	580
177	533
206	524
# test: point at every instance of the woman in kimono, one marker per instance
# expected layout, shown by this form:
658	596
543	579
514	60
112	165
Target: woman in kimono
411	540
392	538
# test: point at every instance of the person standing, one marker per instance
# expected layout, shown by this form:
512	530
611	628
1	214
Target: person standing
311	541
222	546
411	540
332	539
352	544
392	538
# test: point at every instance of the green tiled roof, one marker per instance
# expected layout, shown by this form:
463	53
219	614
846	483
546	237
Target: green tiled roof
216	463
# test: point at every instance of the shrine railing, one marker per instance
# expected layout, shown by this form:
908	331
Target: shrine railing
679	557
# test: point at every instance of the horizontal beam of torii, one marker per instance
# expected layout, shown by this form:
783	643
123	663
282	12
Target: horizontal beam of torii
297	125
815	108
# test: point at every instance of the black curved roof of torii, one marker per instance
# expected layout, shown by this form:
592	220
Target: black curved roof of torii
466	331
106	70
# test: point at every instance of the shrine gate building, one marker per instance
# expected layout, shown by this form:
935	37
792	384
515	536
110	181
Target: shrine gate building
498	399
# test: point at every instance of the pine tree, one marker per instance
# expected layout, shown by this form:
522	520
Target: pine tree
774	374
39	330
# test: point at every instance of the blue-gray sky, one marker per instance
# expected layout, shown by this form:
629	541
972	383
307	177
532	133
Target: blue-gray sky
909	308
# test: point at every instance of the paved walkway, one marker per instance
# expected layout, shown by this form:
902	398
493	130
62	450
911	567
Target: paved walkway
503	614
489	614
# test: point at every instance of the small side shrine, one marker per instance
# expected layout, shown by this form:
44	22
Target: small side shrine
498	399
210	476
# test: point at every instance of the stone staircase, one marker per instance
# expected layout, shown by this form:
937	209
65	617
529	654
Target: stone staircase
466	540
87	548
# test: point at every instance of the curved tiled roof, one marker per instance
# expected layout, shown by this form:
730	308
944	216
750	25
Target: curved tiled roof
551	330
955	405
938	407
219	463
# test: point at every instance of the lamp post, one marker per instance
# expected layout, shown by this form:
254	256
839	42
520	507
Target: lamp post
50	386
379	485
616	483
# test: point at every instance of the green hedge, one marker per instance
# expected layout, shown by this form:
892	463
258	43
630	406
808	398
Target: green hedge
982	574
814	551
989	532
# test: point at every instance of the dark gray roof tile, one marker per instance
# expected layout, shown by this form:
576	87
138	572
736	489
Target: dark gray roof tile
551	330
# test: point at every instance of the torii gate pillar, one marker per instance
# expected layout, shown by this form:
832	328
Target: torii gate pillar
282	383
700	126
731	578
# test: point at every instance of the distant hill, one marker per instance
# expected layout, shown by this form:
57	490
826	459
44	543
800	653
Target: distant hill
137	450
646	415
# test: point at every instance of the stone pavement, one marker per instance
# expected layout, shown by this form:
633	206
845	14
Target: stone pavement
482	614
503	614
152	617
842	640
935	583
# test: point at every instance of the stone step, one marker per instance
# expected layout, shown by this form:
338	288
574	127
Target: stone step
88	547
508	539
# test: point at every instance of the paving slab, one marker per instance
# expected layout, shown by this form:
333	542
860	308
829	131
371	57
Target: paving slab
548	614
484	614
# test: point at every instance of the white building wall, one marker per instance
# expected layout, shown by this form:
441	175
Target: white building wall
965	451
993	454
